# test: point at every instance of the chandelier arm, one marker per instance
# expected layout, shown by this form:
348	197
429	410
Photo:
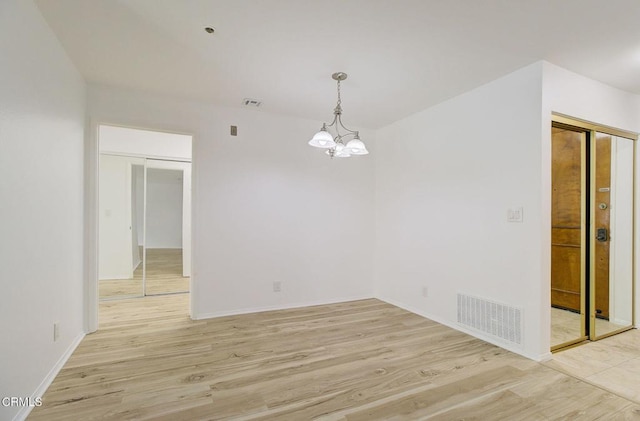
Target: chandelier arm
351	132
338	124
333	122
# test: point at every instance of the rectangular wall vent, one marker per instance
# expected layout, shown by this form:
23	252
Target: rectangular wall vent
494	319
250	102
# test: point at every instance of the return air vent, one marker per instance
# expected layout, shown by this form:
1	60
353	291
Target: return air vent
249	102
494	319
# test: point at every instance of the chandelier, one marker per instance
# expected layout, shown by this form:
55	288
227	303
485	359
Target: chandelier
343	144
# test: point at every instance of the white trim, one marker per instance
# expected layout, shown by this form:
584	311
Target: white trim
92	170
193	285
24	412
279	307
613	195
145	128
147	156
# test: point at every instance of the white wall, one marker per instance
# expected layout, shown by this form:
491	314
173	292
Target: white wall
446	178
41	190
164	208
115	218
577	96
144	143
267	207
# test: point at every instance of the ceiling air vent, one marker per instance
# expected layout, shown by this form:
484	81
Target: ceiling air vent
249	102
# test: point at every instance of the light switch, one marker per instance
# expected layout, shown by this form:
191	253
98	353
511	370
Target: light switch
514	214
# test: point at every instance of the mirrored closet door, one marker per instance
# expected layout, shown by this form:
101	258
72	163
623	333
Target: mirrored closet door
120	204
612	235
144	227
167	227
592	226
568	235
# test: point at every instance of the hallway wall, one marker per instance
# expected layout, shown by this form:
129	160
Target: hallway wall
42	102
446	178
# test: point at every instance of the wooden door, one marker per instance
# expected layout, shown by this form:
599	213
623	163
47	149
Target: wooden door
566	218
601	221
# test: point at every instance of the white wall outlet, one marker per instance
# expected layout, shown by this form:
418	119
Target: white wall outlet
425	291
515	214
56	331
277	286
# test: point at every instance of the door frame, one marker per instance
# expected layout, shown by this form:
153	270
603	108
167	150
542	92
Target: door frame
91	212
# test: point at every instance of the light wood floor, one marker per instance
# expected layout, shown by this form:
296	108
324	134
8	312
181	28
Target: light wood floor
612	363
163	276
361	360
566	326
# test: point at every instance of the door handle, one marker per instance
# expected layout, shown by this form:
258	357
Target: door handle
602	235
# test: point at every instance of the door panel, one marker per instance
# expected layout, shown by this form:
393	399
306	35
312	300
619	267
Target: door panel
566	219
565	268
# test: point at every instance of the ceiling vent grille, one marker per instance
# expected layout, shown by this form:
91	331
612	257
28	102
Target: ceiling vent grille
250	102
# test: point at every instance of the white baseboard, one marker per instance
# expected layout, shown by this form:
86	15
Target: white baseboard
278	307
620	322
46	382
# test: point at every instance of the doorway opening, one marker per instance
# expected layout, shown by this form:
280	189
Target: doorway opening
592	231
144	213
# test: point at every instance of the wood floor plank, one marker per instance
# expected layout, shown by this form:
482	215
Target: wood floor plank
628	413
498	406
438	398
361	360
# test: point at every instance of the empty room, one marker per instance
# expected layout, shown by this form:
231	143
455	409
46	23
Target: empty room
338	210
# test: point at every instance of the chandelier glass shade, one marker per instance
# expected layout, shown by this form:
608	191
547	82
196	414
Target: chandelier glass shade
345	142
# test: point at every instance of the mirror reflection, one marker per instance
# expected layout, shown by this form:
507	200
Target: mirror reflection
567	235
120	227
613	226
164	262
144	222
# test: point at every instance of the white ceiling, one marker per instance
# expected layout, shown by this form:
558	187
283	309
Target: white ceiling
402	56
